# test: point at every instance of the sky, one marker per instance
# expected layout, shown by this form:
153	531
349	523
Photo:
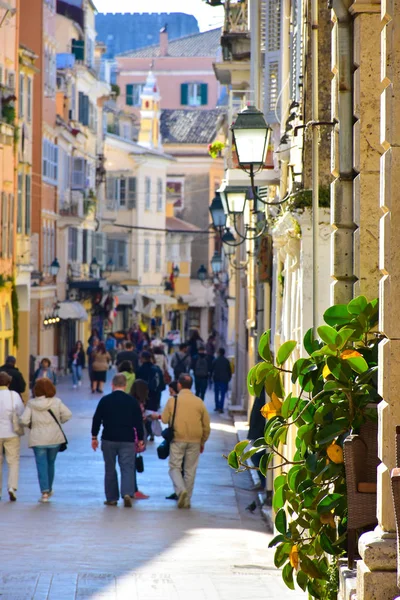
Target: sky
207	16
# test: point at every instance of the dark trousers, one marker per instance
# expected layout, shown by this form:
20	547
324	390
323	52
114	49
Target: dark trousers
201	386
255	459
220	390
126	454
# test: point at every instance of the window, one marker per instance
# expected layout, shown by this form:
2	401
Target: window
117	252
72	244
159	195
28	202
29	99
50	161
131	192
146	257
121	192
50	71
194	94
87	246
89	52
147	197
11	225
78	173
99	248
133	91
20	205
21	95
4	228
158	256
78	49
64	173
83	109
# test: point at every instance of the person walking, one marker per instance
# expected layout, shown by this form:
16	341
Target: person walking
191	431
194	343
161	361
18	382
120	415
77	362
45	371
200	371
128	353
11	405
181	361
111	347
153	375
126	369
100	362
140	392
44	415
222	374
89	352
210	351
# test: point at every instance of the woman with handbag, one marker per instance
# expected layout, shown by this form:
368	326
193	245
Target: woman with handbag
100	363
140	391
11	408
44	414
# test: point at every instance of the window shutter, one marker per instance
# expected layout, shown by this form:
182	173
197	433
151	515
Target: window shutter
184	94
272	70
20	207
129	94
110	192
4	244
11	225
28	202
78	49
100	248
204	94
132	192
85	110
81	107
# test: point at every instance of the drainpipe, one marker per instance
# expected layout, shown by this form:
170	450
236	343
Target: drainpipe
342	204
315	157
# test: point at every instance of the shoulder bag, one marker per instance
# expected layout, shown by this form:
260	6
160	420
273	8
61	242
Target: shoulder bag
17	427
139	462
168	435
63	445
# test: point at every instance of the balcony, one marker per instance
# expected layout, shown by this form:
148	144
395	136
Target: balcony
235	40
72	208
23	261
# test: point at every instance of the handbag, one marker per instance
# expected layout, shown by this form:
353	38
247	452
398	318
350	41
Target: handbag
167	377
64	445
139	463
17	427
168	435
138	449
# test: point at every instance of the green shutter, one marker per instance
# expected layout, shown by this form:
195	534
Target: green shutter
78	49
204	94
129	94
184	94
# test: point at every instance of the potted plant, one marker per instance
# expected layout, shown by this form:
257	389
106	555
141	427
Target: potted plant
215	149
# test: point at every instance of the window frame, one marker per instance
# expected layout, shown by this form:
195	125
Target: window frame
147	193
146	255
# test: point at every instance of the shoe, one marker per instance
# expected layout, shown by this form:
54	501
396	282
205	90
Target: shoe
79	383
172	497
44	498
187	504
183	499
127	501
111	502
74	387
51	493
13	494
216	409
221	411
140	496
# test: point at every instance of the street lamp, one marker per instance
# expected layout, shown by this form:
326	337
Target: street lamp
233	198
94	268
202	273
54	267
110	267
251	135
216	263
229	243
217	211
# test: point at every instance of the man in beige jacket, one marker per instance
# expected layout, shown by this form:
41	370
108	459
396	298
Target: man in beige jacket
191	431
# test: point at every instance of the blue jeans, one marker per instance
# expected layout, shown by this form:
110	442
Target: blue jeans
45	457
126	453
220	390
201	386
76	373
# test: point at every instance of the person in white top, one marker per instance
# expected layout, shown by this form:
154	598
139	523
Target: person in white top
10	402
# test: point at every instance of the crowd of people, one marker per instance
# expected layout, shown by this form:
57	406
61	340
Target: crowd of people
129	417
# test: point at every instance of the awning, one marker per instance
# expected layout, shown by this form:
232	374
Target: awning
72	310
162	299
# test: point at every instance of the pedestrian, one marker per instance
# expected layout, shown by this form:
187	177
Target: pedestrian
45	371
153	375
210	351
161	361
126	368
18	382
181	361
100	362
140	391
191	431
194	343
11	407
256	431
89	352
173	393
111	347
44	415
77	362
93	336
200	371
128	353
120	416
222	374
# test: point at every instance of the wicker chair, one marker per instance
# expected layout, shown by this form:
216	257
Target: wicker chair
395	477
361	462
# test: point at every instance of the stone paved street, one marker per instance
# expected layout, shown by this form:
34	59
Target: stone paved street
76	548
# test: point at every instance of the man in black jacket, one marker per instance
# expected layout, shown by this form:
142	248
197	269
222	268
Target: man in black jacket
128	354
18	382
222	374
120	416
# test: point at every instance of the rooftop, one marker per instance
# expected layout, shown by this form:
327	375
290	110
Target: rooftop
203	44
190	126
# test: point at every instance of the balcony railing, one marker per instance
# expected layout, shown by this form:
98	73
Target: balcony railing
73	207
236	17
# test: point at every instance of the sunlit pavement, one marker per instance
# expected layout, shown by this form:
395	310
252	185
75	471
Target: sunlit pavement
77	548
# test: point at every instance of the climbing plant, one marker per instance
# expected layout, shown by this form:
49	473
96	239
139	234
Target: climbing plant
328	395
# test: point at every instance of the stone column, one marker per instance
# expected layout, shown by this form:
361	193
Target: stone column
376	572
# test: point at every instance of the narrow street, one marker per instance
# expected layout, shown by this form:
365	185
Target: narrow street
77	548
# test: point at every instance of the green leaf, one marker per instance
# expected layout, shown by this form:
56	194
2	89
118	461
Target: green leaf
278	388
339	369
344	335
328	334
264	464
328	503
310	344
309	567
289	406
287	576
299	367
251	380
302	580
331	431
240	446
285	351
281	554
358	364
276	540
232	460
263	346
270	381
261	371
279	481
280	521
278	499
357	305
337	315
326	544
